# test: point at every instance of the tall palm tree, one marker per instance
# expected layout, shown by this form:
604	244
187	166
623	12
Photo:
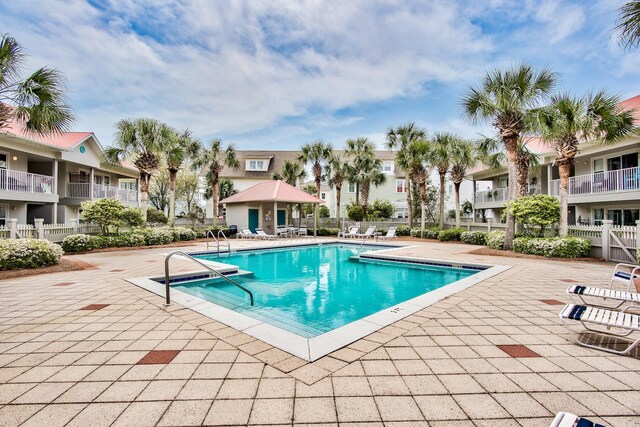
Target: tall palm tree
140	141
629	24
214	157
414	159
462	158
292	173
509	99
358	150
36	101
569	120
440	158
368	172
399	139
317	154
337	170
179	148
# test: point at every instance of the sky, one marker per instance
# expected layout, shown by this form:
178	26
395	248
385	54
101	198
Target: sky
276	74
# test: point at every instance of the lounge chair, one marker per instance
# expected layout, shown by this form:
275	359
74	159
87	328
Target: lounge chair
612	320
282	231
627	275
391	234
353	231
619	297
245	233
264	236
302	231
370	232
565	419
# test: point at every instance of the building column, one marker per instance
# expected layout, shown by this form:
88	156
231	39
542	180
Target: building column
275	217
91	176
549	178
56	189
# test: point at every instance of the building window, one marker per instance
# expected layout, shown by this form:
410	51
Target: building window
623	216
598	216
4	161
255	165
352	187
107	180
387	167
401	186
323	196
598	165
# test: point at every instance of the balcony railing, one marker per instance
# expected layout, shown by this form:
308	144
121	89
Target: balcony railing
601	182
85	190
26	182
491	196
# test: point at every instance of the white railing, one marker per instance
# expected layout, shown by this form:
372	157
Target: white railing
26	182
490	196
85	190
601	182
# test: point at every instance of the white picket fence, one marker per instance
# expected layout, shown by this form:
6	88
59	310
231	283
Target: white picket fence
40	230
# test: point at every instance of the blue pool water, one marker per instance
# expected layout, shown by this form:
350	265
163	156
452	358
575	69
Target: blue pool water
310	290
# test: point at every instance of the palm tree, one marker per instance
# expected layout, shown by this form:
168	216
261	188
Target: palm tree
629	24
462	158
569	120
369	172
215	158
141	141
37	101
292	173
337	170
414	159
509	98
179	148
400	138
440	157
358	150
317	154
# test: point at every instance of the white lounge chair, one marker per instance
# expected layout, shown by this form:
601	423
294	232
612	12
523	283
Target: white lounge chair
619	297
302	231
353	231
370	232
612	320
391	234
565	419
282	231
264	236
627	275
245	233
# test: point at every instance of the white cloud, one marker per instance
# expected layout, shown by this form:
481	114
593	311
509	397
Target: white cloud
562	20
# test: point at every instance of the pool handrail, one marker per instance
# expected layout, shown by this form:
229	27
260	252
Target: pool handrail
186	255
217	240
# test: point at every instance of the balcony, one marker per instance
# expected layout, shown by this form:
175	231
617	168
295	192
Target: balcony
491	198
25	186
97	191
621	184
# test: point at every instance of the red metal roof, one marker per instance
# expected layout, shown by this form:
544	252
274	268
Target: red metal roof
632	104
59	140
272	191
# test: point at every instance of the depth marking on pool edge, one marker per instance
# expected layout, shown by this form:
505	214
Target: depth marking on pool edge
396	310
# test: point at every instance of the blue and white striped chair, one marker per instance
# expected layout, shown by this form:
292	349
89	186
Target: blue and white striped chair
627	275
619	297
565	419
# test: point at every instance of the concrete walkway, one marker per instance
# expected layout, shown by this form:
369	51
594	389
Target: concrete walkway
88	348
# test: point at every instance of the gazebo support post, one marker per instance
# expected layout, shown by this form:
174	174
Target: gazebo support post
275	217
315	220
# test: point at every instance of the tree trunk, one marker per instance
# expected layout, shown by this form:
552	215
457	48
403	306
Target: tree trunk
215	189
511	146
456	185
144	196
357	193
423	208
441	223
564	169
365	199
173	176
338	194
407	184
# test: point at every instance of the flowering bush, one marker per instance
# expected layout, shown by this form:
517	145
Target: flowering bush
473	237
28	253
450	234
429	233
159	236
536	212
77	243
495	239
567	247
183	233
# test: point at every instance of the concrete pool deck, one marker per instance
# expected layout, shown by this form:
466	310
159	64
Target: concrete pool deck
87	347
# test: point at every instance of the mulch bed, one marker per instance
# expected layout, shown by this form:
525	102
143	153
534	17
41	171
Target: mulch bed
133	248
511	254
66	264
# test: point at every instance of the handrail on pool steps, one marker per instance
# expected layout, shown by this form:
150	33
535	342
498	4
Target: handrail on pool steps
186	255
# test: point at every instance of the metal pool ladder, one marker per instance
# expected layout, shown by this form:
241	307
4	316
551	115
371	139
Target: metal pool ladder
217	240
189	257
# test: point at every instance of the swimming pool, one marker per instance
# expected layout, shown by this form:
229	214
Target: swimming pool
315	298
311	290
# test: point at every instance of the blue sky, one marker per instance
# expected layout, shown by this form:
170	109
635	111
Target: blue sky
277	74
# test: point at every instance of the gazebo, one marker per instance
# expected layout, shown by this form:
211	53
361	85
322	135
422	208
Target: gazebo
265	205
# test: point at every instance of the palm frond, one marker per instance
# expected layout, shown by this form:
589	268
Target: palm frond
628	24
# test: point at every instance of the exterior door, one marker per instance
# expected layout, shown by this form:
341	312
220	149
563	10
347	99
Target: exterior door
282	217
253	219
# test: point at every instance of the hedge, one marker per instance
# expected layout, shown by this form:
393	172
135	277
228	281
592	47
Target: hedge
429	233
28	253
450	234
495	239
553	247
135	237
324	231
214	228
403	230
474	237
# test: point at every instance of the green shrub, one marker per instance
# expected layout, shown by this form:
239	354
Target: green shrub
202	232
536	212
354	212
450	234
77	243
473	237
106	213
155	216
181	234
429	233
415	232
323	212
325	231
553	247
132	217
403	230
380	209
159	236
495	239
28	253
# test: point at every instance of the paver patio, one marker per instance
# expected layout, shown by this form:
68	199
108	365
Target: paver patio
79	354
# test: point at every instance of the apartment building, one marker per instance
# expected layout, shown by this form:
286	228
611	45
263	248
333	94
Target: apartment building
50	176
604	184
